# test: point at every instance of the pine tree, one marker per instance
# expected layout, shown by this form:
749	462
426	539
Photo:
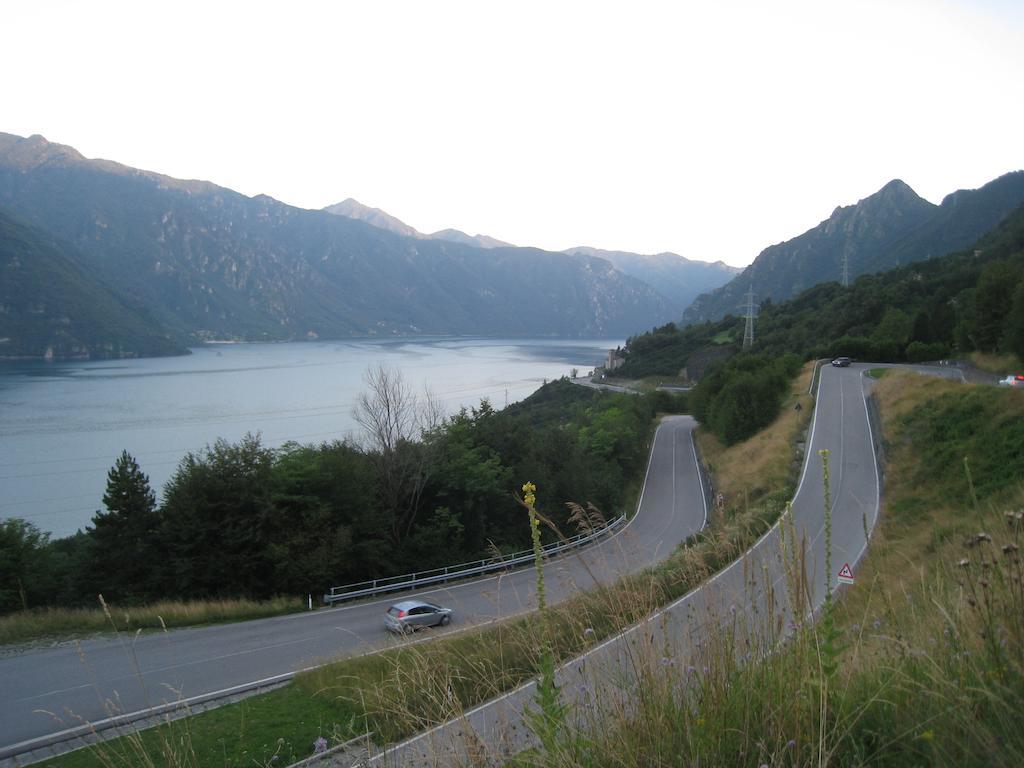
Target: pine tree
123	537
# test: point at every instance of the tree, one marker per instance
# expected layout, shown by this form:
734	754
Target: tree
123	537
1013	333
392	418
22	549
891	334
471	483
991	304
217	521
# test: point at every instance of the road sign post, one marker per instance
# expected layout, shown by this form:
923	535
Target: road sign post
846	574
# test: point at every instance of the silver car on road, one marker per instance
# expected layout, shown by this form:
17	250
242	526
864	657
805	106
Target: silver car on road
410	615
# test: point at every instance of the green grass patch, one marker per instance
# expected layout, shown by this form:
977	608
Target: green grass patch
235	736
980	425
722	337
878	373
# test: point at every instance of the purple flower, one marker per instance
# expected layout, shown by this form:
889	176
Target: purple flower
320	745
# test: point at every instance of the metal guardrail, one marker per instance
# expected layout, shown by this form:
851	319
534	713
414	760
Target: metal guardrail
461	571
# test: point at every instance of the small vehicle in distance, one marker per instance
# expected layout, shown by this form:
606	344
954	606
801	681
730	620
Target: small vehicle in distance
410	615
842	362
1013	381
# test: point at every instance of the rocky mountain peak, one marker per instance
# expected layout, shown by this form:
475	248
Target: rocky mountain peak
34	151
352	209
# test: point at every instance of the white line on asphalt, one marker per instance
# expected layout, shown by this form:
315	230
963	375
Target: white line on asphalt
700	480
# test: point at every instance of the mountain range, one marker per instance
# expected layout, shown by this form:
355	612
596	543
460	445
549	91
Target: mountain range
892	227
103	260
201	262
675	277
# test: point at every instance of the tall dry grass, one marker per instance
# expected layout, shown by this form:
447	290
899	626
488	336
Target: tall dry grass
928	646
766	464
1001	364
59	623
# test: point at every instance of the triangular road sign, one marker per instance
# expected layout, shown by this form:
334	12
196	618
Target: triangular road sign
846	574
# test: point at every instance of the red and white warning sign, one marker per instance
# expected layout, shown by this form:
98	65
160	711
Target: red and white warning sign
846	574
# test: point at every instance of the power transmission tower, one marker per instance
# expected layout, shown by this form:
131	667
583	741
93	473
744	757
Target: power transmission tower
748	329
846	270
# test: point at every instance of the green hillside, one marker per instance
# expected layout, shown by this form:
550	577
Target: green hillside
929	310
890	228
51	307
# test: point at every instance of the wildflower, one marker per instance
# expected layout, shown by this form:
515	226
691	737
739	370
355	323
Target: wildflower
791	744
877	624
529	495
964	563
1010	548
589	632
320	745
927	736
667	662
691	670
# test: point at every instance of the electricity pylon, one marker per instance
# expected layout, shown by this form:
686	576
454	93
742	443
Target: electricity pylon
748	329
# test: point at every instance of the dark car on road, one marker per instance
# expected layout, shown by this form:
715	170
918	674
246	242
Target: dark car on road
410	615
842	362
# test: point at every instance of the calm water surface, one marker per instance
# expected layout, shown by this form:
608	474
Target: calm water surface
62	425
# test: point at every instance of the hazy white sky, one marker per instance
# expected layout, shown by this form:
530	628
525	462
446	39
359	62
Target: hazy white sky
711	129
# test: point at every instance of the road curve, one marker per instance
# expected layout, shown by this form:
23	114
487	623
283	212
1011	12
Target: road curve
750	589
51	693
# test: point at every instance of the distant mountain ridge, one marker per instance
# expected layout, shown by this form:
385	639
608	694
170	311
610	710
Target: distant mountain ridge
353	209
894	226
208	263
677	278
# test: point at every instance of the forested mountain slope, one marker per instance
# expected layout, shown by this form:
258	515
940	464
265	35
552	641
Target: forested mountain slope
50	307
891	227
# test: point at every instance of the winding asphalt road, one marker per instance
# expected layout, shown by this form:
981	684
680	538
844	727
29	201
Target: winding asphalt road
52	694
751	594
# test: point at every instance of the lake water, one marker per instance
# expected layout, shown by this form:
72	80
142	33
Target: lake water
62	425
